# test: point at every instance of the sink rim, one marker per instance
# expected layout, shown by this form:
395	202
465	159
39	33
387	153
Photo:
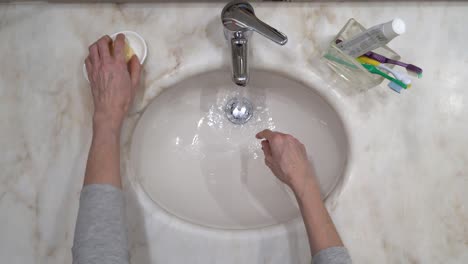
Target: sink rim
315	83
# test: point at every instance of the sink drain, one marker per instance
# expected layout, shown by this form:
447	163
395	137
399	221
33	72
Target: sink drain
238	110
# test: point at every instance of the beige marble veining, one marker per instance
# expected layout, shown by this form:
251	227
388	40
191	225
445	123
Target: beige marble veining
405	197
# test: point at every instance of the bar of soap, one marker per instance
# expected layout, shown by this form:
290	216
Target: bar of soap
128	51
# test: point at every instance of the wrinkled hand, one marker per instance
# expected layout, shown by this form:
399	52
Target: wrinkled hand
287	159
113	82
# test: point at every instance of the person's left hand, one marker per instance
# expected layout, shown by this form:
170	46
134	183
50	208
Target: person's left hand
113	82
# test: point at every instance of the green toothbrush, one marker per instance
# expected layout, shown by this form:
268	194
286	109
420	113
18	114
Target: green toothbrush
374	70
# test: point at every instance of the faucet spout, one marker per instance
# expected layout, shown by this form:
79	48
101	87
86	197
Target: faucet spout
240	70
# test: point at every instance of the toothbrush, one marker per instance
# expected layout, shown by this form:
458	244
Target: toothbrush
367	60
410	67
398	75
374	70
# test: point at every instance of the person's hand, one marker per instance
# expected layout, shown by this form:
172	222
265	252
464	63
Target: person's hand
287	159
113	82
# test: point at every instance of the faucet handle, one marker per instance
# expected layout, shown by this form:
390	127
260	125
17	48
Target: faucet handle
240	16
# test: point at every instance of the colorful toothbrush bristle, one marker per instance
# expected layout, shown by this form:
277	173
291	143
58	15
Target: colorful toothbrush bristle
395	87
414	74
415	69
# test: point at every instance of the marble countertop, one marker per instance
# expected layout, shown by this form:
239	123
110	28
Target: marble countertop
405	198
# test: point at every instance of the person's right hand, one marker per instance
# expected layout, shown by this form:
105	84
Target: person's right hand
287	159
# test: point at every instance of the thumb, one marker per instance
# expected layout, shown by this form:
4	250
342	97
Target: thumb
266	148
134	67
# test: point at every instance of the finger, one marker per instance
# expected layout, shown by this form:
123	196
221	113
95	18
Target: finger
119	47
89	67
103	47
269	162
94	54
265	134
266	148
134	68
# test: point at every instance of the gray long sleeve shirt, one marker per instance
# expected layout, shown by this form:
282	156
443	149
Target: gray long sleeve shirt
100	233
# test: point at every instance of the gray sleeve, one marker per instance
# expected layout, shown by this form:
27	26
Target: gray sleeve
332	255
100	233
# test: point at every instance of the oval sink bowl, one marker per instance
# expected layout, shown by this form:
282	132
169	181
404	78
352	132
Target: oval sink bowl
197	165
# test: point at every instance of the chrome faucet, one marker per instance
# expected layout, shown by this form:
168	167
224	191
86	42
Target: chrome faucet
239	21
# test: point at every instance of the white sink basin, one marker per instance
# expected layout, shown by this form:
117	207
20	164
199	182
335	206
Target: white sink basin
192	162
